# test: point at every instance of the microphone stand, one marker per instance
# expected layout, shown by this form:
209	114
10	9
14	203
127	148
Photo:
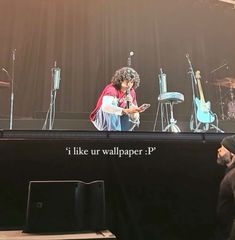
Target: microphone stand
55	82
12	88
218	68
193	120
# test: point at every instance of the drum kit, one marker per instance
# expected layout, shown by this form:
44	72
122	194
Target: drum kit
226	88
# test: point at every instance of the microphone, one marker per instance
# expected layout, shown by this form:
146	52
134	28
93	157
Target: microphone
225	64
131	53
128	104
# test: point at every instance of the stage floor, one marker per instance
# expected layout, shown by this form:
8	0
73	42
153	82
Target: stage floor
84	124
19	235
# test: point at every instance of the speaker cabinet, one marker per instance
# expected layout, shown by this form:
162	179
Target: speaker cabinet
59	206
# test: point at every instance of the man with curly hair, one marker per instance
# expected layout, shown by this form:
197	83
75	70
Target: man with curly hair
117	109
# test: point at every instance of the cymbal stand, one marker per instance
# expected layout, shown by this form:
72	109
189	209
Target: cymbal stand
231	93
231	104
221	103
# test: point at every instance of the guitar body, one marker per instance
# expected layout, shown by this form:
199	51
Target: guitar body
204	113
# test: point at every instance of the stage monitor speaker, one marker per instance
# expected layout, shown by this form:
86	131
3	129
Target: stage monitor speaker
60	206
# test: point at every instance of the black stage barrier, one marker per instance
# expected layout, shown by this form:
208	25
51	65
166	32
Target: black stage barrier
157	185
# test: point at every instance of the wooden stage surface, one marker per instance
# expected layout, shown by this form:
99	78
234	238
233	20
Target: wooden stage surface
19	235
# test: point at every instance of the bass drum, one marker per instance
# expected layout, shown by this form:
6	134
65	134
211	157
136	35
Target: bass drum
231	110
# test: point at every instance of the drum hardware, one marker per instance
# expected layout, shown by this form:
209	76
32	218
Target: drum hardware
228	97
225	82
231	109
231	94
223	116
221	103
231	105
4	84
224	64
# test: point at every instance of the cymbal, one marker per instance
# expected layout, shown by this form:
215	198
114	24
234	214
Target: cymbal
216	83
225	82
4	84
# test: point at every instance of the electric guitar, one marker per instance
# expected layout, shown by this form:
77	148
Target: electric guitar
204	113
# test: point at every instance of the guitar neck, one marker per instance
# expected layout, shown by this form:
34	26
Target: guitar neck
202	98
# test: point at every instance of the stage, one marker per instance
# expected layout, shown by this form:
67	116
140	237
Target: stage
80	122
19	235
157	185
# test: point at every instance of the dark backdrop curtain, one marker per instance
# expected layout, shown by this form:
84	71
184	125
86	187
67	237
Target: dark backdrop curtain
90	39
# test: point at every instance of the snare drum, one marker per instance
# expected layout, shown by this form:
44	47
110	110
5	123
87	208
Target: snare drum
231	109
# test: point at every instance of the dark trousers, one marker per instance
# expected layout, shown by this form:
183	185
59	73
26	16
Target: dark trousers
232	232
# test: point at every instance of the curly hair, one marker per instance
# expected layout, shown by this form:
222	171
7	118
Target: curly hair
125	73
